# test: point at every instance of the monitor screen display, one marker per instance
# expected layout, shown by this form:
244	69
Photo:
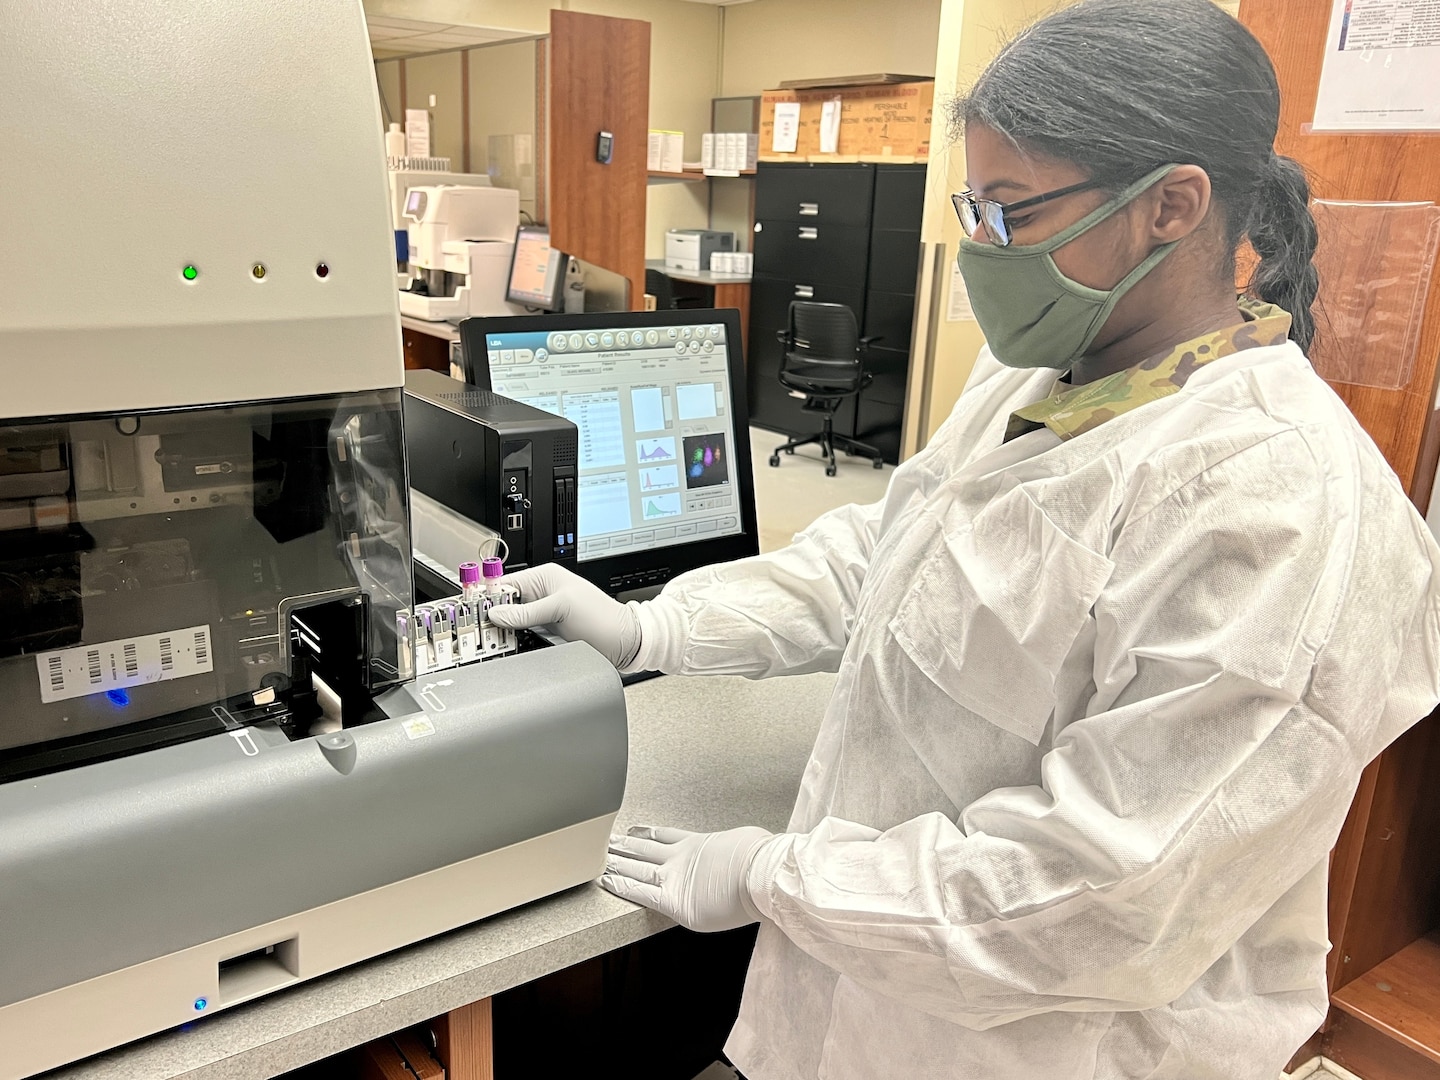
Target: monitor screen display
536	270
661	458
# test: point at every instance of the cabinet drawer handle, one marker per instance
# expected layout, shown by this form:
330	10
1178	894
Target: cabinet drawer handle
805	292
809	209
809	232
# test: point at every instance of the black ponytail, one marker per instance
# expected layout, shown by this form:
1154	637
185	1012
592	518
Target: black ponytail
1282	232
1121	87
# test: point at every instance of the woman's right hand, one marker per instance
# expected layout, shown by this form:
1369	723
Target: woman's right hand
570	606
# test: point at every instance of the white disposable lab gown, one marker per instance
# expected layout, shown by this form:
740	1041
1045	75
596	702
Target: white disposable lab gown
1102	706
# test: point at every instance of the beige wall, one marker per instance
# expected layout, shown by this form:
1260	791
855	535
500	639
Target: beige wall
770	40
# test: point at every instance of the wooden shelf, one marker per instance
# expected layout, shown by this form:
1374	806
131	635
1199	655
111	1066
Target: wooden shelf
687	175
1401	997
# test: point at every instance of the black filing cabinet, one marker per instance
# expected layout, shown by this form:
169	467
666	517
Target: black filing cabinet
847	234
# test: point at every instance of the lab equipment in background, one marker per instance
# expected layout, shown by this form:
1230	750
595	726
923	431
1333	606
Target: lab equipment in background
486	469
205	560
405	173
460	251
538	272
663	482
690	249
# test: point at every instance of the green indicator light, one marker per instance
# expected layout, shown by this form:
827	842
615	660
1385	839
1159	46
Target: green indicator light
190	273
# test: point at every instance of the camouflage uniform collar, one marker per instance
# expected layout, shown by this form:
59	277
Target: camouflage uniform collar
1079	409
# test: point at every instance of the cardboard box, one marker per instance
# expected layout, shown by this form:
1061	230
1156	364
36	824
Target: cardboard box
888	120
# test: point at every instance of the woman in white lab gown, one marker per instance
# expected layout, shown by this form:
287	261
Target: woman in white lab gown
1112	650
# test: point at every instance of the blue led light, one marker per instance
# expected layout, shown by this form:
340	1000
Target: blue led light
201	1004
118	697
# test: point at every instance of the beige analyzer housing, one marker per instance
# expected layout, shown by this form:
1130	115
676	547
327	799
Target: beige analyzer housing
216	779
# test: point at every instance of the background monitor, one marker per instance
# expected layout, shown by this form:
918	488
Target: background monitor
537	271
664	454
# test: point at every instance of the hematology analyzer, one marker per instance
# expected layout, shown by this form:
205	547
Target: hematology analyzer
664	481
218	776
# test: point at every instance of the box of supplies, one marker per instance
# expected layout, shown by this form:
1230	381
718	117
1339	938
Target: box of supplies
666	151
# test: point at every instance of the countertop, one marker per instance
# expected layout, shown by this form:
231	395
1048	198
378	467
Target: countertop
446	331
705	753
699	277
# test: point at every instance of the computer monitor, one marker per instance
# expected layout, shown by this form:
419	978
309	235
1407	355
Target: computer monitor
537	271
659	399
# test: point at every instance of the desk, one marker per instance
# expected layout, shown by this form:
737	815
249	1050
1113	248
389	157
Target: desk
724	290
709	754
427	344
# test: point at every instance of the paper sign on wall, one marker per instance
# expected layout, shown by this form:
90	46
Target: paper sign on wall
958	310
417	133
830	126
1382	67
787	127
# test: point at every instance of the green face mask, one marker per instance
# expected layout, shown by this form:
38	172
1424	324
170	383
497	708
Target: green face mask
1033	315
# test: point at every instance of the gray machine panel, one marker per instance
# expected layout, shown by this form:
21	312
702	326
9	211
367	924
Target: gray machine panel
118	862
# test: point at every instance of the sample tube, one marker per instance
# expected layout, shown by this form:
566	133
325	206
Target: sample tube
471	587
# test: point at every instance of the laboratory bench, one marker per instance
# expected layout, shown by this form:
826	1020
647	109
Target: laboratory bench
705	753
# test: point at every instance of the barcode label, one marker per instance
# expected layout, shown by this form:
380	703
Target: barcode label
118	665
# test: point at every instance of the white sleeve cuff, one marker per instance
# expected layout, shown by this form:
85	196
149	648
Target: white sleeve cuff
664	632
760	878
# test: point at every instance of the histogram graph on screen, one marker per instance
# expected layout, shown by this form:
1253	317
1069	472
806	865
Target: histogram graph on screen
659	478
661	506
650	451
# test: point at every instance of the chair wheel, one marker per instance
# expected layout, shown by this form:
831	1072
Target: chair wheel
877	464
829	470
849	453
790	450
774	461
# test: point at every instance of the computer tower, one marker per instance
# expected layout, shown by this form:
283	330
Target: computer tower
498	462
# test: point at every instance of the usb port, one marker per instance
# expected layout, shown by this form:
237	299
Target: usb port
515	522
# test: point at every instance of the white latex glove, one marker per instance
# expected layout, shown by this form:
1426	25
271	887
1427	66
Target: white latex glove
573	608
697	879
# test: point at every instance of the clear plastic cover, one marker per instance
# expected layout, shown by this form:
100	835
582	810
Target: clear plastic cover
1375	261
164	573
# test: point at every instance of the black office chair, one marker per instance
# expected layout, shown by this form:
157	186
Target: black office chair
823	363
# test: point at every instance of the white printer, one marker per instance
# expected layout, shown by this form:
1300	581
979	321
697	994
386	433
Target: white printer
690	249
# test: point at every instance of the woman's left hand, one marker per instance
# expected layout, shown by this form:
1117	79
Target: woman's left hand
697	879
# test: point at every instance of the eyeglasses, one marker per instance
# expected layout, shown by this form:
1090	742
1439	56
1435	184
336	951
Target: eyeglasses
996	216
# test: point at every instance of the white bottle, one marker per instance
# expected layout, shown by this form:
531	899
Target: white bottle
394	142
